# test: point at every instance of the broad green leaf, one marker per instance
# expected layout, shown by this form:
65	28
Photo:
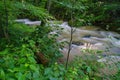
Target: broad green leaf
4	52
31	59
18	76
22	60
2	74
48	71
36	75
52	78
33	67
88	69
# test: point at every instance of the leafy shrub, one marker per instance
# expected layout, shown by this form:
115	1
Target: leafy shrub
77	70
45	43
16	32
18	63
88	12
26	10
5	13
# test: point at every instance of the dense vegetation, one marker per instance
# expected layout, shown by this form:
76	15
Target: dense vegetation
30	53
89	12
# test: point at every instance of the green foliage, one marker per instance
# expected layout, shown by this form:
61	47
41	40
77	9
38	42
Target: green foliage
88	12
4	16
41	3
26	10
113	9
77	70
45	43
67	8
116	77
16	32
54	72
17	58
19	63
20	10
22	30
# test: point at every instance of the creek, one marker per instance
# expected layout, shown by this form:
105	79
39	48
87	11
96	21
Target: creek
91	43
88	38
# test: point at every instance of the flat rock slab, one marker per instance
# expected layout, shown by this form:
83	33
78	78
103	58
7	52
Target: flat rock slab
28	22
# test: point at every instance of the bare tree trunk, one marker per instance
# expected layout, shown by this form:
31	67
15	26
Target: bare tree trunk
6	22
70	43
49	5
71	37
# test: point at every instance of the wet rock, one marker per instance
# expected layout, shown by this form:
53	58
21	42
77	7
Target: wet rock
33	23
78	43
22	20
118	38
28	22
110	59
115	50
89	40
87	36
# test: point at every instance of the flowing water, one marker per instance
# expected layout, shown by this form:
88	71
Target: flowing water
103	45
88	37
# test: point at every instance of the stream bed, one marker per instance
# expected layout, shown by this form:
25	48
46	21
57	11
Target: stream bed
89	37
